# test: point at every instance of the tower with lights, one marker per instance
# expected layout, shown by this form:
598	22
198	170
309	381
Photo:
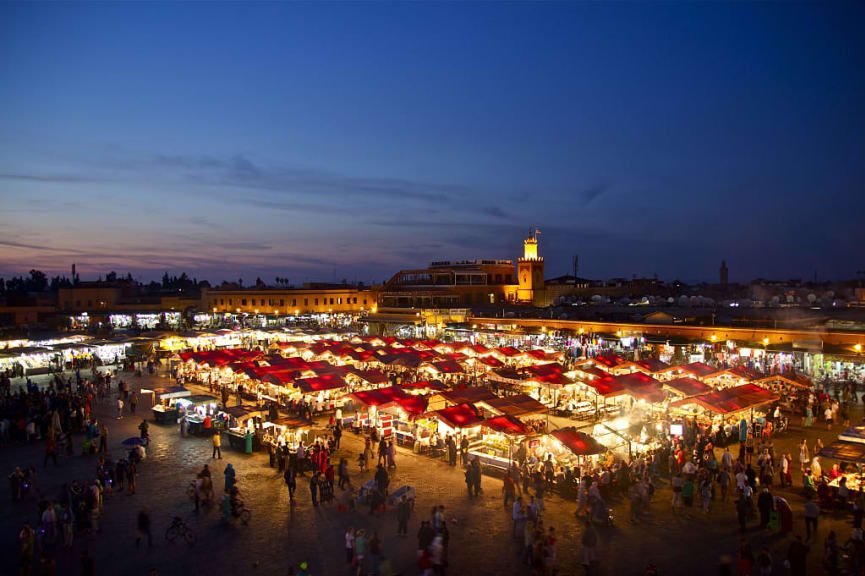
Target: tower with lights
530	270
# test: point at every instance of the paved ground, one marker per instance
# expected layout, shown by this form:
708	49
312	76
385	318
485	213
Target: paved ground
281	535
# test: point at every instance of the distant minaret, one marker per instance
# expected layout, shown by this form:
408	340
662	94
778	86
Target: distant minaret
724	273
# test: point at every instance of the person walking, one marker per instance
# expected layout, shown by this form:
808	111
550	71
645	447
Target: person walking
811	514
724	482
217	445
50	450
229	478
143	526
313	488
337	435
403	510
133	403
344	479
291	482
119	408
765	503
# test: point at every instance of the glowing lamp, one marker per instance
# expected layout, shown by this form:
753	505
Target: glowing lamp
765	341
858	347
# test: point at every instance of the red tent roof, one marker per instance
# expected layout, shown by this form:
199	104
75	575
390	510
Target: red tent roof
370	376
468	395
414	405
321	383
378	397
593	370
578	442
459	416
688	386
553	379
609	360
546	369
447	366
491	361
607	386
641	386
737	372
506	425
787	378
651	365
509	351
423	385
732	400
696	369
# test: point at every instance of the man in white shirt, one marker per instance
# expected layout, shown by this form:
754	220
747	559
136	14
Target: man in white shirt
741	481
727	460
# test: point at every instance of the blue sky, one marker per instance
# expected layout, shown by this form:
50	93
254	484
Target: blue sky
330	141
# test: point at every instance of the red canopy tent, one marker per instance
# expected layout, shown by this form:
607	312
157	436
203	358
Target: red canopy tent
459	416
607	386
687	386
641	386
506	425
320	383
580	443
490	361
413	405
732	400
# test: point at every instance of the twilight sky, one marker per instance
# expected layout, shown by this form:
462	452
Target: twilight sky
330	141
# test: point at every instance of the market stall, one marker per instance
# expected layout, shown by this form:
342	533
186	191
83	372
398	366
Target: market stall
165	411
461	419
849	449
286	430
568	447
241	425
196	408
496	445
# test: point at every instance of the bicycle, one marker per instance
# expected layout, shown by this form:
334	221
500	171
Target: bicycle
179	528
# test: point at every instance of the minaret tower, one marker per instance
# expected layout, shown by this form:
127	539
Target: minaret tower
530	270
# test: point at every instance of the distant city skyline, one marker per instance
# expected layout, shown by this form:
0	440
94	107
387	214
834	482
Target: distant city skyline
326	141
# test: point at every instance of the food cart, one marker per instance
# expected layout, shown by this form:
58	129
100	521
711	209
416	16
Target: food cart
165	410
240	421
196	408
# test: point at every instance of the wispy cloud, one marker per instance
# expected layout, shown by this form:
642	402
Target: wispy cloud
43	248
58	178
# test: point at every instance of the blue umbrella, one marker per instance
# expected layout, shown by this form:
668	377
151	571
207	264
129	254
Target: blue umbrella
134	441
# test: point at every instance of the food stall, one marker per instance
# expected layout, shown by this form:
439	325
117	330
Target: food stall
196	408
286	430
720	409
408	423
372	401
238	421
568	446
165	411
849	449
461	419
496	445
